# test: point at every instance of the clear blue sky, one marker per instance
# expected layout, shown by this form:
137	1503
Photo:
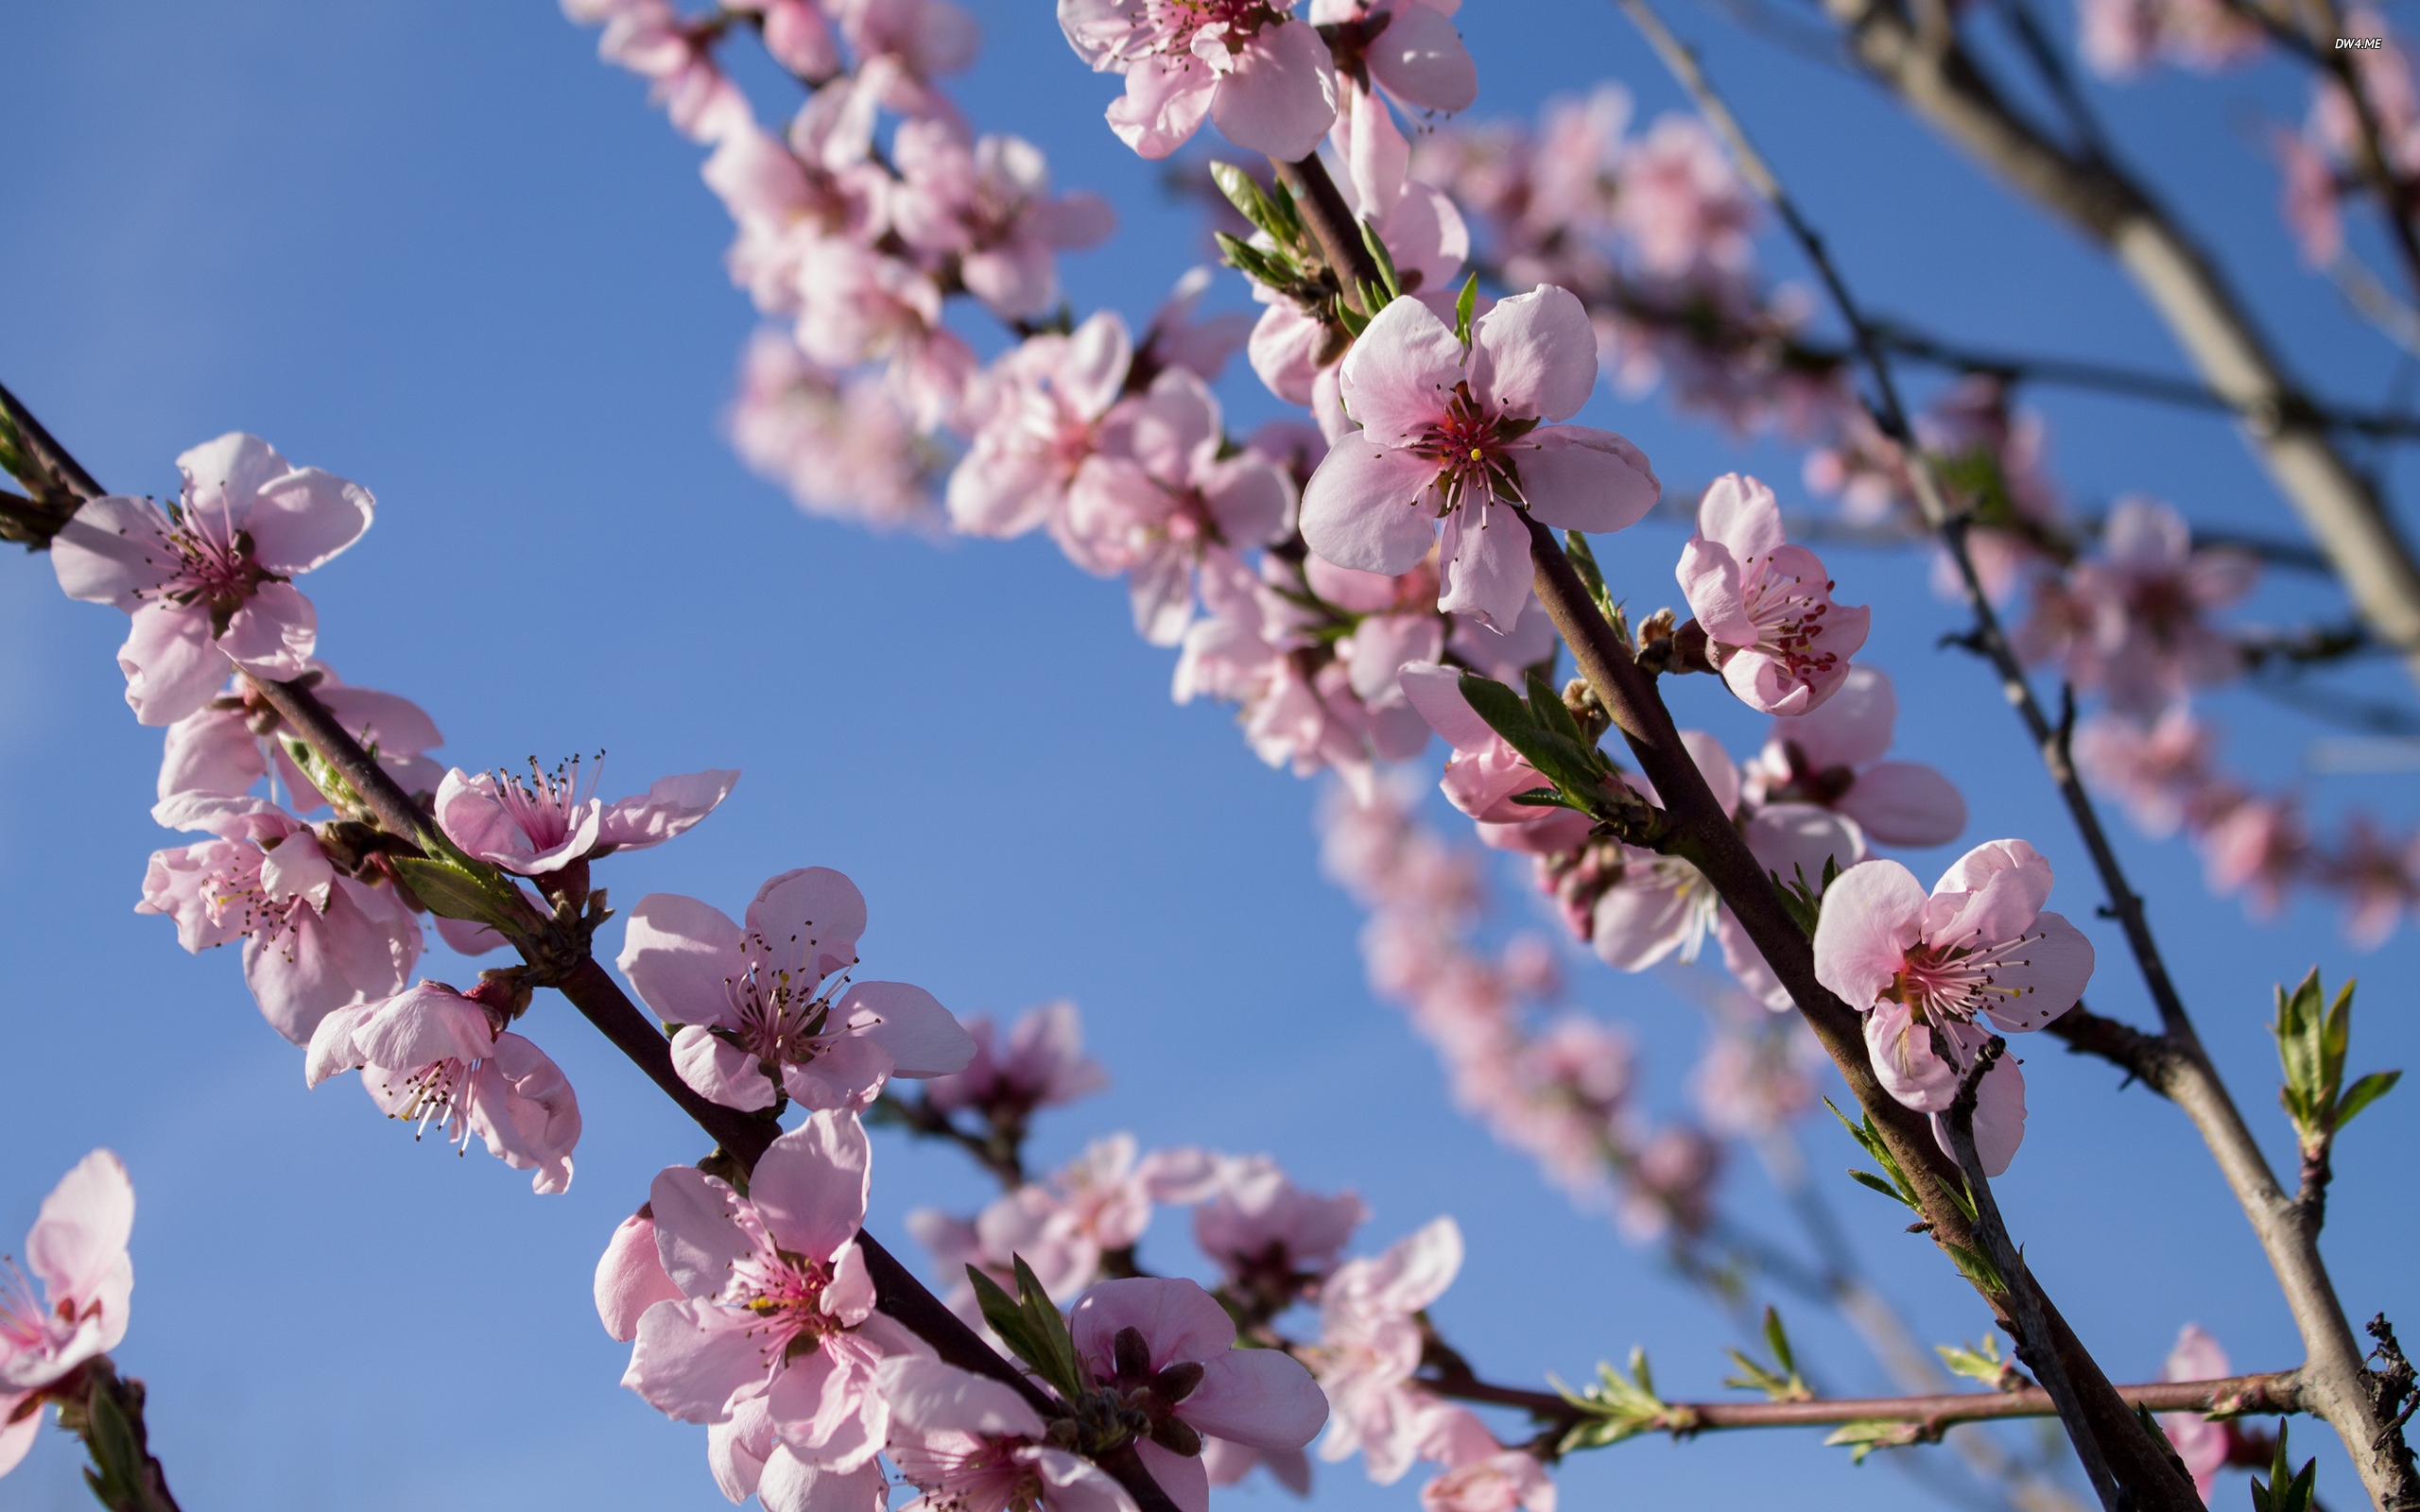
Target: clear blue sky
439	250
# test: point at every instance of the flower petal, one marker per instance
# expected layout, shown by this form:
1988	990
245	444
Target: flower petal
1367	507
1535	354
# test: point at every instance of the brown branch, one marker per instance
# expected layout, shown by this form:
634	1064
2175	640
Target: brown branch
1331	220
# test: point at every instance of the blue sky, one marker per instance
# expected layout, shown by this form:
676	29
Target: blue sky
439	250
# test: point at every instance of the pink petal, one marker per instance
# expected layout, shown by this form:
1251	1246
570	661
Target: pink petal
17	1434
1484	568
1421	60
423	1025
698	1234
672	805
691	1358
1077	1485
1903	1061
1576	477
1248	495
810	1184
1903	803
1535	354
172	667
1182	1477
629	1277
110	549
362	948
1177	1319
1093	373
1165	102
1281	97
1634	926
1850	728
273	633
1872	913
847	1073
1383	645
1709	578
224	474
1792	840
1999	1118
1396	379
1263	1398
679	954
331	1052
1742	514
927	1397
721	1072
77	1246
813	915
1367	507
2048	979
923	1038
525	1111
303	519
1714	764
791	1485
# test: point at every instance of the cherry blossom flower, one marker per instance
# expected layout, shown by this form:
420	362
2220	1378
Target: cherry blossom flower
1035	418
2379	878
554	819
653	41
1294	350
1100	1201
1160	494
233	741
2258	846
1481	1475
991	206
842	445
2161	771
208	580
1229	1463
972	1445
1681	206
858	304
1833	757
2201	1443
1670	1184
1771	627
1485	774
1179	336
77	1249
2130	622
314	939
776	1307
768	1008
1272	1238
1980	946
1264	76
631	1277
441	1060
1454	432
924	38
1041	1064
1168	1349
1370	1346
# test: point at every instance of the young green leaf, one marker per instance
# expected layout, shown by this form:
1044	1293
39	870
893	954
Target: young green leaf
1867	1435
1463	303
2363	1093
1392	282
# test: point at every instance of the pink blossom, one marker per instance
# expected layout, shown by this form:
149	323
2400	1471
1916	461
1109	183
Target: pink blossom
78	1248
1751	1083
972	1445
1265	77
768	1009
1771	627
313	940
1161	493
1294	350
1036	416
2259	845
651	40
439	1061
1228	1462
1273	1240
842	445
1681	205
796	35
1833	757
2130	622
776	1306
1098	1202
926	38
2379	878
1041	1064
550	821
235	739
1180	337
2160	771
1913	965
785	197
1670	1184
858	304
208	580
630	1275
1410	51
1168	1349
1481	1475
1454	432
2200	1442
748	1457
1370	1346
991	206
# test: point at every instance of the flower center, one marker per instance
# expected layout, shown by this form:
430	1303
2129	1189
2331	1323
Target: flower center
783	1010
1469	444
785	1293
544	805
1940	982
1789	619
211	564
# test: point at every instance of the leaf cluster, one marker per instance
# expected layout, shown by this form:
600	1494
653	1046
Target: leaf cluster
1032	1328
2312	1045
2286	1489
1981	1362
1804	900
1866	1434
1781	1384
1543	730
1618	1406
1288	265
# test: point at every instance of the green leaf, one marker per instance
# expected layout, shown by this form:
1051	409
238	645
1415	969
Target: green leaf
1777	1339
1574	767
1976	1267
1354	321
1867	1435
1463	303
1244	192
1058	1365
1781	1385
1870	1140
1007	1317
1976	1362
1386	261
1547	710
2363	1093
2285	1490
1867	1179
